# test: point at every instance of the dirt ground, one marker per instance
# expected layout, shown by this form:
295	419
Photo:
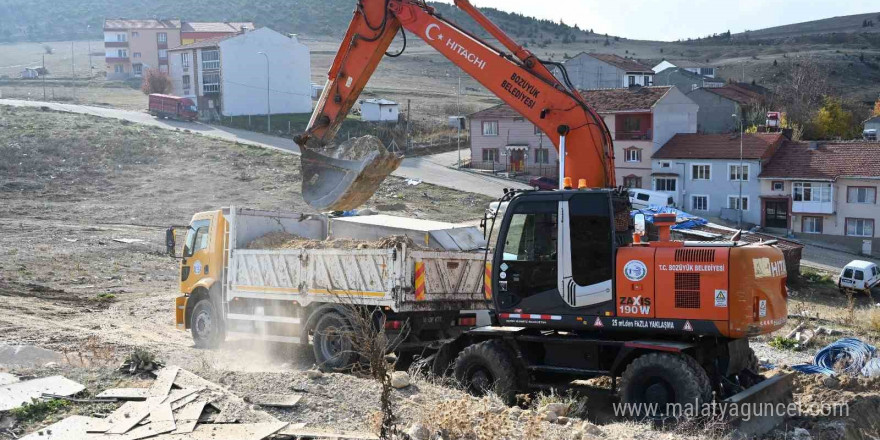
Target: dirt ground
72	293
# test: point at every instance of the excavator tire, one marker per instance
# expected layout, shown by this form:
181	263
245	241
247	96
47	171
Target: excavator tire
661	379
333	349
487	366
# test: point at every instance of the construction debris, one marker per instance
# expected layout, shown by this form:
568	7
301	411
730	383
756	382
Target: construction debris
124	394
18	394
277	400
6	378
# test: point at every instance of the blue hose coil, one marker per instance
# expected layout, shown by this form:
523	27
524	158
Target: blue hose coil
850	353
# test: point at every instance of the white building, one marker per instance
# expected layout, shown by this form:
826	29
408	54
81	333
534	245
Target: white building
379	110
697	67
228	75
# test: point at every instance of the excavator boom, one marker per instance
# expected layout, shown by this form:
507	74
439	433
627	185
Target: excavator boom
518	78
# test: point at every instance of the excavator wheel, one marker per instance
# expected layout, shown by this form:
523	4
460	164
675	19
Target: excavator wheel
659	379
484	367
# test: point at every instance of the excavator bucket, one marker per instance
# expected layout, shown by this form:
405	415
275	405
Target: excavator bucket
346	181
756	408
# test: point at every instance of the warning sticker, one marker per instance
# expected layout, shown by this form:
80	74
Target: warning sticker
720	298
762	308
598	322
688	327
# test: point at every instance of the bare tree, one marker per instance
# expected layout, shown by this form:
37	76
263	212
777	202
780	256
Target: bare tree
801	90
156	81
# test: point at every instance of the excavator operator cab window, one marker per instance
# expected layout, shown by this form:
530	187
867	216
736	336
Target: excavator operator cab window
528	263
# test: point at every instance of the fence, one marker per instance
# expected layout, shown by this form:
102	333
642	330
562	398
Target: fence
546	170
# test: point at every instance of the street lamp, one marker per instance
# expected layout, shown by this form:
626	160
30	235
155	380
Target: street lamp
741	171
268	100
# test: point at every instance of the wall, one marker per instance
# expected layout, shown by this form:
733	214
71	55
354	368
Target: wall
715	112
673	113
685	83
623	168
511	131
243	76
718	188
586	72
146	43
177	72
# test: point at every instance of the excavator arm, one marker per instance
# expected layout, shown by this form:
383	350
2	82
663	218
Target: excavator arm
518	78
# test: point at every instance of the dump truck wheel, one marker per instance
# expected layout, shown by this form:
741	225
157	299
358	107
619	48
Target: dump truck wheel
333	348
484	367
661	379
207	330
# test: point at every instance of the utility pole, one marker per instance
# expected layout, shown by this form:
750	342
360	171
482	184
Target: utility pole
458	119
72	71
88	31
268	99
408	138
43	75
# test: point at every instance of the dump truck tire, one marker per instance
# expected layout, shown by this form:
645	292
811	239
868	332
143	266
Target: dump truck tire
487	366
664	378
333	349
205	325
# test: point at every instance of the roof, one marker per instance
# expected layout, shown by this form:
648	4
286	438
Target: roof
621	62
736	93
202	44
620	100
500	111
200	26
686	73
379	101
860	264
873	119
121	23
829	161
719	146
688	64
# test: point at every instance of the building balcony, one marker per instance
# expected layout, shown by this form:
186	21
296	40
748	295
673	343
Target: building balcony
116	44
812	207
644	135
116	59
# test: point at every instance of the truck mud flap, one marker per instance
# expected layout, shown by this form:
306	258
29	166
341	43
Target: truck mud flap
757	410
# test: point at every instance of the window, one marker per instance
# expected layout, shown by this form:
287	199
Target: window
135	34
211	82
643	197
119	68
591	239
700	203
811	192
778	185
631	124
163	54
530	249
184	60
490	155
664	184
737	172
701	172
632	80
632	182
734	202
210	59
490	128
186	83
707	71
122	53
860	227
848	273
542	155
538	130
162	38
860	276
861	194
138	69
811	225
632	155
136	55
647	80
196	237
120	38
665	164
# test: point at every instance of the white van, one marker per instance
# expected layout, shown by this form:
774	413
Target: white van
859	275
642	198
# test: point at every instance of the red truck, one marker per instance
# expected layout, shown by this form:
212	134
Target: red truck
173	107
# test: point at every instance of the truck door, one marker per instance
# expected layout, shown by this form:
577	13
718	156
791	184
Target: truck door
586	249
196	254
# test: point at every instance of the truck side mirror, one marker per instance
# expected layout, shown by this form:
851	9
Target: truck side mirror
639	222
170	243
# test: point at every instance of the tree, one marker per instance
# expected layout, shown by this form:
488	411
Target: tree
800	90
833	121
876	111
156	81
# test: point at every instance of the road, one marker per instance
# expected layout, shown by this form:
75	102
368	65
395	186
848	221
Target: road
429	169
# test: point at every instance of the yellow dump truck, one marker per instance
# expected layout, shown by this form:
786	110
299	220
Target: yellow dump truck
231	289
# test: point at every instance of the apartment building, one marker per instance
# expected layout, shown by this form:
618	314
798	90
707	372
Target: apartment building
134	46
227	75
825	191
704	175
641	119
589	71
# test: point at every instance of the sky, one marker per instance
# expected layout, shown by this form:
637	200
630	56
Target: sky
671	20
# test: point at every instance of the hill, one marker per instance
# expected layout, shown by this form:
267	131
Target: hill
845	24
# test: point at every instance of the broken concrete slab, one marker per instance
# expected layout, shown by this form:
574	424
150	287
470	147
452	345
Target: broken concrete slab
6	378
312	433
164	380
71	428
188	417
124	394
277	400
245	431
130	414
183	402
18	394
233	409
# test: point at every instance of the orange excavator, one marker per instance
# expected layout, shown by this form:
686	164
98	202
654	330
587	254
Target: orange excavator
575	292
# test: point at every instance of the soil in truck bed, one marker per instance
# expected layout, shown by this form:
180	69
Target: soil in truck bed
284	240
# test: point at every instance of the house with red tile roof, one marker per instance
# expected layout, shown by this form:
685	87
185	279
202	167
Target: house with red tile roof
705	176
641	119
588	71
824	190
